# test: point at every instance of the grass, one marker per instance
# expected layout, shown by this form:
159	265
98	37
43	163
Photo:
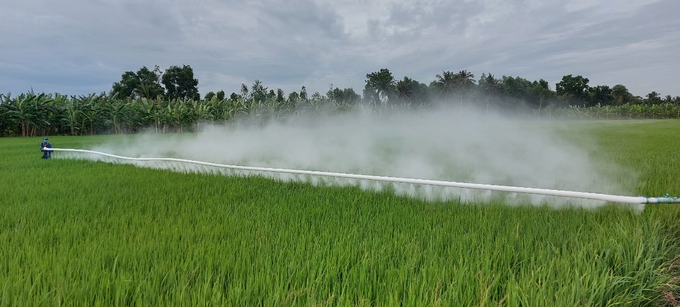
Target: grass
78	233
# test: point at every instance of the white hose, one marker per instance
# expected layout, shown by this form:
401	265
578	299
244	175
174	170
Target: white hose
502	188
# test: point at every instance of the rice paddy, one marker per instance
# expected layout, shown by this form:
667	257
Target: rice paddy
83	233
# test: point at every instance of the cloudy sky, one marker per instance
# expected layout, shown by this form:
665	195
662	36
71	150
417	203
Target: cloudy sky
83	46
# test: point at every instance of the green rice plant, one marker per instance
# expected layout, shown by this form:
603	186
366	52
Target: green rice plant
76	233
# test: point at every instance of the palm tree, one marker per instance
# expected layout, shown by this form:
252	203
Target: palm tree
446	83
405	89
489	86
653	98
464	80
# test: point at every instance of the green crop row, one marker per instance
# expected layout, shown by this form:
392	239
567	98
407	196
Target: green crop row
80	233
31	114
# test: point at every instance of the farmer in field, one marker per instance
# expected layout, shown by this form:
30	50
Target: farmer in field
46	153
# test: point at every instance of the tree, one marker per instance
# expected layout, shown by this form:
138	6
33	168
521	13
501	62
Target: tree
126	87
621	95
293	98
180	83
405	89
8	122
209	96
653	98
280	97
379	87
445	84
142	84
541	91
516	87
220	95
464	81
346	95
572	89
488	84
489	87
412	91
244	92
303	94
601	94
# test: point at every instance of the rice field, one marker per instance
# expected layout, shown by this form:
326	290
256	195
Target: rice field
81	233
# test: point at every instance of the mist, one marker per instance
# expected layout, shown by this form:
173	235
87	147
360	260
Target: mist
464	145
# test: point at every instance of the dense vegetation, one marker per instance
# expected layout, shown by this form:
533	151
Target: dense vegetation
77	233
169	101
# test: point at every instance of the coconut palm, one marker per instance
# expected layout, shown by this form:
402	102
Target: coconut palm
464	81
405	89
445	84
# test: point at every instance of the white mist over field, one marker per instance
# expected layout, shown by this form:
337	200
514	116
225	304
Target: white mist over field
441	144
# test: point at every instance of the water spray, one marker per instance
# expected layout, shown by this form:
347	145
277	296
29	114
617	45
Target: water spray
489	187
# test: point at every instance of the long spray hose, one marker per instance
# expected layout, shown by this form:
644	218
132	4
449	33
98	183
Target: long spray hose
548	192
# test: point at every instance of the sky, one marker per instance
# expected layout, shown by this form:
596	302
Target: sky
78	47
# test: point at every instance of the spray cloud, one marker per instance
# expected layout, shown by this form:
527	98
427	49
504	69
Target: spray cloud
464	145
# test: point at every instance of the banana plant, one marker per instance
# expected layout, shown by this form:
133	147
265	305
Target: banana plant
202	113
8	120
94	113
24	111
29	112
73	115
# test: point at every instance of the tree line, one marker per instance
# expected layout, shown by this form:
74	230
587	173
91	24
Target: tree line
169	101
382	88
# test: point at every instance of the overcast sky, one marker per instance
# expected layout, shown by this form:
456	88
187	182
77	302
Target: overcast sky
83	46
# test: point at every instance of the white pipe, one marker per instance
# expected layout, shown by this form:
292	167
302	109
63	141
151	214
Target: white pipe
502	188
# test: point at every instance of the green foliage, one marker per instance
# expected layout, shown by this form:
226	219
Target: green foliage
380	87
409	91
572	89
488	84
280	96
144	237
445	84
54	114
600	95
515	87
137	102
464	82
179	83
346	95
449	83
143	84
220	95
258	92
653	98
620	94
209	95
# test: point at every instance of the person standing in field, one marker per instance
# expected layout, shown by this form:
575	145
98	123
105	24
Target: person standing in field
46	153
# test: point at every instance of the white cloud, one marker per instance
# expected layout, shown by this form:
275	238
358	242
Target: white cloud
79	47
